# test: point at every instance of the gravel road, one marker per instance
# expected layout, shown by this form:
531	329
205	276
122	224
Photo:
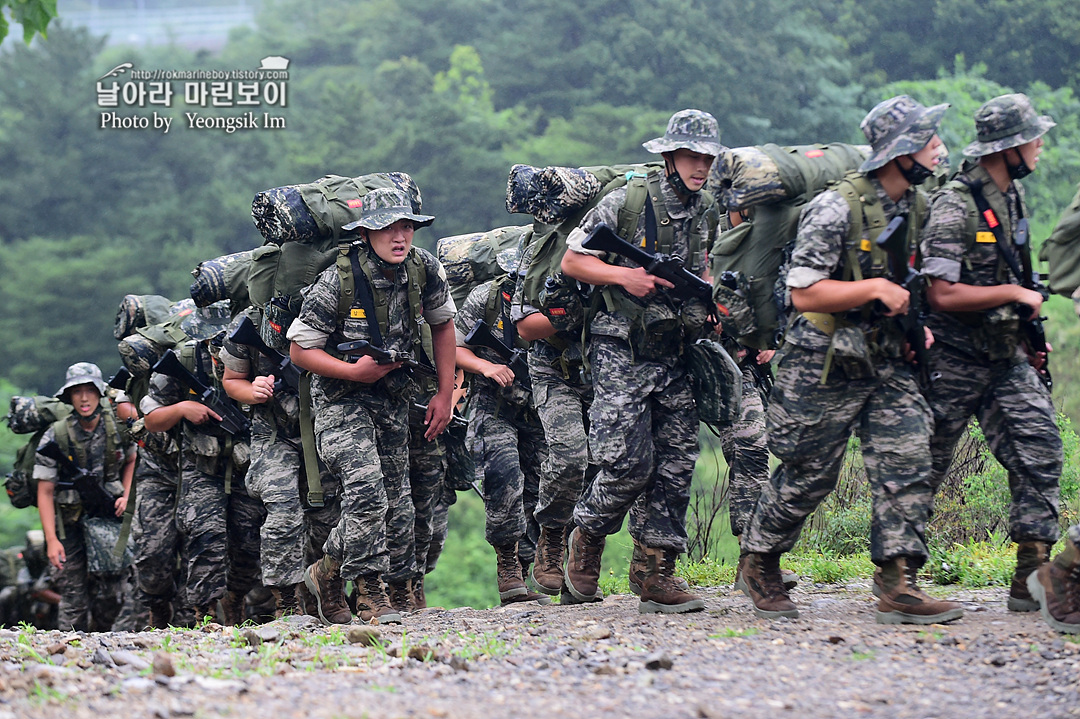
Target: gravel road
600	660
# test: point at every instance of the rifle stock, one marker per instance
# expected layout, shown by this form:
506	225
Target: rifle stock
480	336
285	371
120	380
381	356
233	420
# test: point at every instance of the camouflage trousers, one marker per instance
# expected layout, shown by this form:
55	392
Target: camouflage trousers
1017	418
809	425
507	443
643	435
157	540
276	477
439	527
747	454
366	446
427	470
89	601
563	407
220	534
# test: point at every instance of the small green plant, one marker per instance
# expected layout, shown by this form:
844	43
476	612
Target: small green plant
859	655
730	632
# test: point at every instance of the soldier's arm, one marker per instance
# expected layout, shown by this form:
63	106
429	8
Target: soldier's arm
126	475
47	512
534	327
945	296
470	362
239	387
839	296
318	361
439	408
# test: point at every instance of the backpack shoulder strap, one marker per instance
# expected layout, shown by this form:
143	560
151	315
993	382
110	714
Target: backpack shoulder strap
863	206
416	271
637	192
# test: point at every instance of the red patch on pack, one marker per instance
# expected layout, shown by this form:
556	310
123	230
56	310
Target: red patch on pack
355	203
276	327
991	218
557	311
815	153
723	310
506	296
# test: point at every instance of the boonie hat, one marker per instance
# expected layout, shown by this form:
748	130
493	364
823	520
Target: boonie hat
82	373
694	130
898	126
1006	121
204	323
385	206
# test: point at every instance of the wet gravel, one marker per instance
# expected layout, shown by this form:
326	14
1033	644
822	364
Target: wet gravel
599	660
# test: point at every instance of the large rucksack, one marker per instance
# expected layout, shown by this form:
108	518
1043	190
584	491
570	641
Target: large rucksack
30	415
470	260
1061	251
770	185
302	227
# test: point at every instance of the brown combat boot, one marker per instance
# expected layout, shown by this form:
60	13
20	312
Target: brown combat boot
284	600
902	602
547	571
372	604
160	612
1029	557
323	580
418	599
1056	587
660	590
582	573
232	608
638	567
399	594
508	573
762	582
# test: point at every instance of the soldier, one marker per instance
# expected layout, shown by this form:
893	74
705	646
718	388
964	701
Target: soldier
217	519
643	423
987	370
844	370
1055	585
362	407
505	433
81	521
277	476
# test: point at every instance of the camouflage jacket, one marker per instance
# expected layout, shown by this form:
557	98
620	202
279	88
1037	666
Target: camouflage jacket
471	311
283	409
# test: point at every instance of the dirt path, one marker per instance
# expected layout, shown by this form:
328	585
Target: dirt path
601	660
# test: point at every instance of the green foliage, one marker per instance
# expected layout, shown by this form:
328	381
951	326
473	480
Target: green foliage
33	15
973	564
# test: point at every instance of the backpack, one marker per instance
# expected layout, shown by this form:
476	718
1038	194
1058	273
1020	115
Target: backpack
470	260
222	278
1061	251
139	311
302	227
144	346
771	185
30	415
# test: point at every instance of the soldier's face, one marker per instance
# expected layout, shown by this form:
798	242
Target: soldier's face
1030	151
693	167
930	155
85	399
392	243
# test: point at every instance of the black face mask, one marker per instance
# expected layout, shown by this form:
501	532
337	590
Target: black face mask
1018	172
917	173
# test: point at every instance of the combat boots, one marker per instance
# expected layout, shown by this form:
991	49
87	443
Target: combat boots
399	594
508	573
638	568
1029	557
232	608
1056	587
323	580
902	602
547	571
372	604
763	583
660	590
284	600
418	599
161	612
582	573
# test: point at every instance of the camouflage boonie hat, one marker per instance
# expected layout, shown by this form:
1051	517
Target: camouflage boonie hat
207	322
508	260
82	373
1004	122
383	207
693	130
899	126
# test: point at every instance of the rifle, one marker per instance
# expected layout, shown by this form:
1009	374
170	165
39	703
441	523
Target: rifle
95	500
381	356
456	420
480	336
666	267
233	420
120	380
763	374
1030	325
284	370
893	239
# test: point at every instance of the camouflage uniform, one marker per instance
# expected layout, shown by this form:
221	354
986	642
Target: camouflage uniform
869	390
427	470
643	423
153	528
90	600
984	368
219	529
363	430
505	434
277	477
747	453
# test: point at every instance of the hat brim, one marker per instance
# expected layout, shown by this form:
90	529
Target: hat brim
660	145
382	220
1032	132
912	138
76	381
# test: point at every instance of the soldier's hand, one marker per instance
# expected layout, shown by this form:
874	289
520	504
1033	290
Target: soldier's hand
262	389
120	505
57	557
1038	359
500	373
368	371
640	283
895	298
765	356
197	413
438	415
1030	298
